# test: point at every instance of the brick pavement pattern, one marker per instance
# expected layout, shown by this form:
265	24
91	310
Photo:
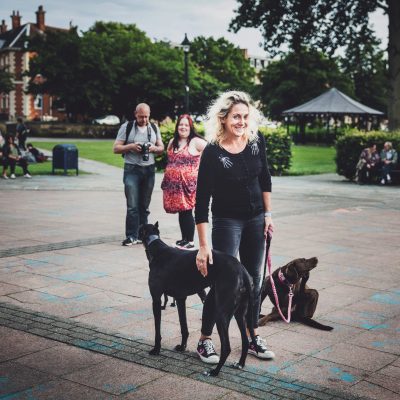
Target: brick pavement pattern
75	311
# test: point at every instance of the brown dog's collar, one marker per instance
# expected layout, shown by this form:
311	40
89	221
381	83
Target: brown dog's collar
283	279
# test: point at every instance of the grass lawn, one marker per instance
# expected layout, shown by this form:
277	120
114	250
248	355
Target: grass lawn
306	160
310	160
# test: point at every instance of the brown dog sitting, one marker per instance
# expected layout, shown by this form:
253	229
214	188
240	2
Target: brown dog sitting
304	302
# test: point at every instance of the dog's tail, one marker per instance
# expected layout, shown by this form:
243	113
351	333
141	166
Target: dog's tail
250	317
314	324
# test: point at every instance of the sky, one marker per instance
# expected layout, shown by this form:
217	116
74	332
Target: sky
160	19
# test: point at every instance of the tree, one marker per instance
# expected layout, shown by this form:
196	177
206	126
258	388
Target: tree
223	61
297	78
326	25
109	69
6	82
57	59
364	62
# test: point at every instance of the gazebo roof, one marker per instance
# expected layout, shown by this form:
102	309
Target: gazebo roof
332	102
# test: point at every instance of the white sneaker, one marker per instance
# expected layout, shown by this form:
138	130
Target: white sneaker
259	349
27	176
388	178
382	181
12	176
5	177
206	352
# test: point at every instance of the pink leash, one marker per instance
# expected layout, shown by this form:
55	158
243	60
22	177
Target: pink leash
269	262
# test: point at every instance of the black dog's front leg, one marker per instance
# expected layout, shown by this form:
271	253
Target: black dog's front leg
181	303
157	326
165	302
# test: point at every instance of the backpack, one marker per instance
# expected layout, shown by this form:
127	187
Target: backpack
128	132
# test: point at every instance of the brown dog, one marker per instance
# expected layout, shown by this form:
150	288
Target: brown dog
304	302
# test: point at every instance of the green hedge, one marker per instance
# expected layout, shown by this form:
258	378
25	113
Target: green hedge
279	152
277	140
350	145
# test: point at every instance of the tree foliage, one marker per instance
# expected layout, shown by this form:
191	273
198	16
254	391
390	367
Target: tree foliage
223	61
325	25
6	82
297	78
112	67
364	62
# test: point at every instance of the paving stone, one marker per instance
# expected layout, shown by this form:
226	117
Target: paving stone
15	377
115	376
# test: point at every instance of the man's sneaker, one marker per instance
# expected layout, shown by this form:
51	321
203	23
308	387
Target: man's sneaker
180	242
5	177
27	176
12	176
206	352
259	349
129	242
389	179
382	181
185	245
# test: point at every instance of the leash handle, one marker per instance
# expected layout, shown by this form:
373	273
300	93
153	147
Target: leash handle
269	263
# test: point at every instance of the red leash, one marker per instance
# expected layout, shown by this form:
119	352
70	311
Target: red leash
269	262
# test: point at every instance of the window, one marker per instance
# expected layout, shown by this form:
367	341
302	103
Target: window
38	103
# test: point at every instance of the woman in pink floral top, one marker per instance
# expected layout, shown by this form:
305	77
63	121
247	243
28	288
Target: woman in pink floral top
180	177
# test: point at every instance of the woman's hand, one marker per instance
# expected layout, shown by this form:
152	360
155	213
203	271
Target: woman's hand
204	256
269	226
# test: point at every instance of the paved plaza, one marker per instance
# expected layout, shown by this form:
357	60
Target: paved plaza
76	317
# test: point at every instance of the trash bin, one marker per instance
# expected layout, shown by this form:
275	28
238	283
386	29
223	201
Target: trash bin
65	156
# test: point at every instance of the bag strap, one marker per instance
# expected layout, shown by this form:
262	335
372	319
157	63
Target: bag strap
128	131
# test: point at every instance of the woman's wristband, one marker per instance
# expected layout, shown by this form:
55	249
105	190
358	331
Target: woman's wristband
268	214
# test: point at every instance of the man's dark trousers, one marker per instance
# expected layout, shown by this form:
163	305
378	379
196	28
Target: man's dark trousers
139	184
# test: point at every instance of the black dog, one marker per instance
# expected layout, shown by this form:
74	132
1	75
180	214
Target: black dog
304	302
173	272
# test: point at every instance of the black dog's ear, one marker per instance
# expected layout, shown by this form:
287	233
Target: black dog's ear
156	225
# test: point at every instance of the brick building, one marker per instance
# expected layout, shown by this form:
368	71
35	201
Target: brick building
15	58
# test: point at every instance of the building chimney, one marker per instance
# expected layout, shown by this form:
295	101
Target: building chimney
245	53
40	18
3	26
15	20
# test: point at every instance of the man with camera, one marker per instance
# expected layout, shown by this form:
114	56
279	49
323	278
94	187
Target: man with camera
138	142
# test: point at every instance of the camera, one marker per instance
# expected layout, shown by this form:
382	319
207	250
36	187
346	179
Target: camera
145	151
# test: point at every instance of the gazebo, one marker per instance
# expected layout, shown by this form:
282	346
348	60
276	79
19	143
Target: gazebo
332	103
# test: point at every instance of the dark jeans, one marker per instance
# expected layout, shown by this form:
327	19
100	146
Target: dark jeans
246	239
187	225
22	163
139	184
386	170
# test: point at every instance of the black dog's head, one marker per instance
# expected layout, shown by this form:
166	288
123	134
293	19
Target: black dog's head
148	233
298	268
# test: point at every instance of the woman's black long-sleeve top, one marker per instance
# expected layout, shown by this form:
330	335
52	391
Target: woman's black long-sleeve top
235	182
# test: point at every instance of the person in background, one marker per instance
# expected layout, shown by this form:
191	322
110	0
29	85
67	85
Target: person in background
139	146
234	173
367	165
388	160
180	177
38	156
12	157
21	134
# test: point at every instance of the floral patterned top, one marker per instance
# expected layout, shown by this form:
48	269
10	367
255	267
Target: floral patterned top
180	180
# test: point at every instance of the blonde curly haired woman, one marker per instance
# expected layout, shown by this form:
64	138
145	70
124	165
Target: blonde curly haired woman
233	173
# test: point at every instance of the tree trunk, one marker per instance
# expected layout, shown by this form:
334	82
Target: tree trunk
394	64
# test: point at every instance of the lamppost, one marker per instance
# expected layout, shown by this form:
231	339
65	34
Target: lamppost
186	48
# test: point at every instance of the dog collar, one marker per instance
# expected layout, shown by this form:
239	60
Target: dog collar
151	239
283	279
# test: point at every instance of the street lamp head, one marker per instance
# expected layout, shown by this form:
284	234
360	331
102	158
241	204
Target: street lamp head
186	44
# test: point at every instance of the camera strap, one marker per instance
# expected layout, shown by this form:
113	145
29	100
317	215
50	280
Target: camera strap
148	132
133	124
